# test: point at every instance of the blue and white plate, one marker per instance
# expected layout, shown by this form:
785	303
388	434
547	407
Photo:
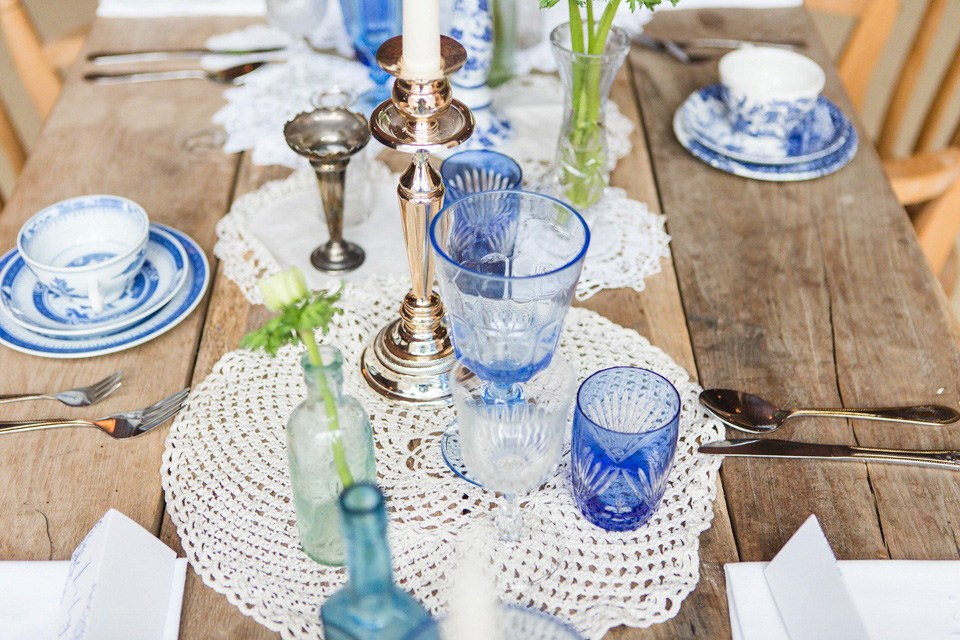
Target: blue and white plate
37	308
705	117
170	315
769	172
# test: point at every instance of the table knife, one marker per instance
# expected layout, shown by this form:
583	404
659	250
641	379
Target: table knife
771	448
152	55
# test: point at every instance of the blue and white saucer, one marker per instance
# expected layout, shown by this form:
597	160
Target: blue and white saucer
794	172
170	315
706	118
37	308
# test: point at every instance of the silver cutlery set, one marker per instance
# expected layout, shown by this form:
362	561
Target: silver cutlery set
229	75
686	51
124	425
749	413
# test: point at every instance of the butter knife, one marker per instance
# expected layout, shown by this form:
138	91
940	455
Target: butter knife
771	448
153	55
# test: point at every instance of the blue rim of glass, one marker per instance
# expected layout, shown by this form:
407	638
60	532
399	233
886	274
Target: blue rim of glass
461	155
666	424
521	192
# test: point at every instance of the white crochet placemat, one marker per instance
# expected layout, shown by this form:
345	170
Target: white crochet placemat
225	477
278	225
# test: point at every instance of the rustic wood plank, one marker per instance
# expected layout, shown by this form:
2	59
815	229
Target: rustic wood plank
153	144
657	313
810	293
207	614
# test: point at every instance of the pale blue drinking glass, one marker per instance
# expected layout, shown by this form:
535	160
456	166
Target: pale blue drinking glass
507	264
369	24
625	430
479	170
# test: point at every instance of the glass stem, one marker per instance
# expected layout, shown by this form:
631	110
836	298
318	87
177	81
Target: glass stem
509	521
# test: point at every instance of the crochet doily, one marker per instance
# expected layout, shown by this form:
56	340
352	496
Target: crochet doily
279	225
226	482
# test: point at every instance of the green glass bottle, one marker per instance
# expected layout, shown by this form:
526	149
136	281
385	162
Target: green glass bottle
329	446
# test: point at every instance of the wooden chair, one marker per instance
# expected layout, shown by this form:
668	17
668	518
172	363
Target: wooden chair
928	180
37	65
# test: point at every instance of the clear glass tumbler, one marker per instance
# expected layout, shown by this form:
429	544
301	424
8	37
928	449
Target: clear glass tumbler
625	430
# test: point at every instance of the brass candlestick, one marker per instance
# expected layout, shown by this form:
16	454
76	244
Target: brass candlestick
411	358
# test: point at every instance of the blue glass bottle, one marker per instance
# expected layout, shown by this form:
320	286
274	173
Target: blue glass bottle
370	607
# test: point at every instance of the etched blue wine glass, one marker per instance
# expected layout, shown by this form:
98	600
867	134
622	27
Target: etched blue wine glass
512	623
625	430
479	170
369	24
507	265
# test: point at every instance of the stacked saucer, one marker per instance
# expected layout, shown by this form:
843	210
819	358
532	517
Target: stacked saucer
754	137
51	320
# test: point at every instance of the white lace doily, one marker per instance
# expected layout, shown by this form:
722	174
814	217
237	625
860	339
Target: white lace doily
226	482
279	225
257	109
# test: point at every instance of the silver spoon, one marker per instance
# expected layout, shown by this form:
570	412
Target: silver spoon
223	76
752	414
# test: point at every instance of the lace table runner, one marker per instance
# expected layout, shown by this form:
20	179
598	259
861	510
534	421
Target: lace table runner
227	488
279	225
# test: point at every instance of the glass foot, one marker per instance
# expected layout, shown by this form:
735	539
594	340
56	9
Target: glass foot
450	447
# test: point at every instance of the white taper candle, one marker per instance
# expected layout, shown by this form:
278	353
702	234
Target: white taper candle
421	39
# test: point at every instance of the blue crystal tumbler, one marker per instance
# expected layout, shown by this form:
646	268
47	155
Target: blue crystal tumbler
625	431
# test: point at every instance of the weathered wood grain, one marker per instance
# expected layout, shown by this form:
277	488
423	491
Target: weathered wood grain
155	145
810	293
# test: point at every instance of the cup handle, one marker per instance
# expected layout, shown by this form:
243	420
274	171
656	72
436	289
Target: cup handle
95	296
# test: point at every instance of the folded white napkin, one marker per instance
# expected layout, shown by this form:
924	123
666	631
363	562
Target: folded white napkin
117	562
30	599
896	599
170	8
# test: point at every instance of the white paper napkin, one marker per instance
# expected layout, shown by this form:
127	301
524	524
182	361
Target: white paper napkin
172	8
77	599
893	599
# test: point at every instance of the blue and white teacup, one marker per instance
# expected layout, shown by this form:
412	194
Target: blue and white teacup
89	247
769	91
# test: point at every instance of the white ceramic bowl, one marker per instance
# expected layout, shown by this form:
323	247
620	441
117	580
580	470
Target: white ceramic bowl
768	90
88	247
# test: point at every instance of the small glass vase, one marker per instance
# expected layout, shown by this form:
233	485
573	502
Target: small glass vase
329	445
582	168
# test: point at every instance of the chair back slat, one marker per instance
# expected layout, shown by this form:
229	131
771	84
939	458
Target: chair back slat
910	73
861	53
936	118
36	73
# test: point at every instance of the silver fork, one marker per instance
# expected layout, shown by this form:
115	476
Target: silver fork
121	425
79	397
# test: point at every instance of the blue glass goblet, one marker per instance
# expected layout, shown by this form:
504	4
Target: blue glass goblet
370	23
507	264
469	172
625	430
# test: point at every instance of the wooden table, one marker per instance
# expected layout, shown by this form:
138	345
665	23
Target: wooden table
811	293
